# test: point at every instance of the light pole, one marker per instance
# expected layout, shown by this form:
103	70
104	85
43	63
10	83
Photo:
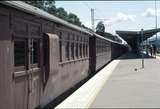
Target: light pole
156	24
142	48
92	19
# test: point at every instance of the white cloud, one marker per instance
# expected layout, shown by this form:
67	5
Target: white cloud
150	12
87	24
120	17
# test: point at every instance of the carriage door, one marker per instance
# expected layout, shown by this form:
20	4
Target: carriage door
34	73
27	73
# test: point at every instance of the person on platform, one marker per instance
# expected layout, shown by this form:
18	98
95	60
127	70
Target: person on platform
154	50
150	49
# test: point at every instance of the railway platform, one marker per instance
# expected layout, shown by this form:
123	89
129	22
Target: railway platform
121	84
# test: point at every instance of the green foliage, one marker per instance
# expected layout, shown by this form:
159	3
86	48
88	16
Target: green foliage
42	4
100	28
61	13
72	18
50	7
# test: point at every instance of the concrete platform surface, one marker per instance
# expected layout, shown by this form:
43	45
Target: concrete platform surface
130	86
85	95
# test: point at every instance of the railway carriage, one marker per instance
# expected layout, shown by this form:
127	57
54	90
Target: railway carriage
102	51
118	49
43	56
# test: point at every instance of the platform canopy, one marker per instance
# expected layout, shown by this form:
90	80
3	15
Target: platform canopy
134	37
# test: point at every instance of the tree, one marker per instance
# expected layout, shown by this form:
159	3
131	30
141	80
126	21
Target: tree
51	10
72	18
50	7
42	4
61	13
100	28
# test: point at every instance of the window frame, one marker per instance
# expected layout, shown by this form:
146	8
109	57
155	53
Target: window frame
29	54
34	65
25	66
60	46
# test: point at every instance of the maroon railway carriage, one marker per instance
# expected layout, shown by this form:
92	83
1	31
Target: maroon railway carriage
102	51
42	56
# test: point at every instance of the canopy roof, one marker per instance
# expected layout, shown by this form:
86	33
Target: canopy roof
129	35
134	37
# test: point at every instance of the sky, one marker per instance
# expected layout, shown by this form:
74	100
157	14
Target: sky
117	15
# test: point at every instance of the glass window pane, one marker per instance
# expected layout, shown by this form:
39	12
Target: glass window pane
87	50
72	50
80	50
77	50
19	53
84	50
35	52
67	50
60	47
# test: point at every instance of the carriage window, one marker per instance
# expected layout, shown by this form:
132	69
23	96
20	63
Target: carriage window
80	50
100	47
68	37
60	47
84	50
73	37
67	50
19	53
77	38
72	50
77	50
35	51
